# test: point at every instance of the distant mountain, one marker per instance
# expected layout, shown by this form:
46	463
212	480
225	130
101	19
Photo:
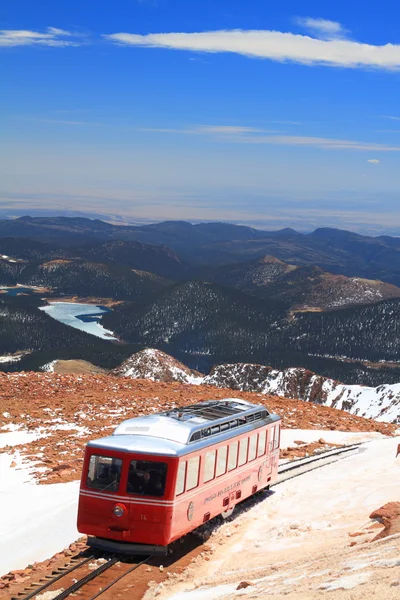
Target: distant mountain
160	260
198	317
31	250
333	250
306	287
250	277
204	324
83	278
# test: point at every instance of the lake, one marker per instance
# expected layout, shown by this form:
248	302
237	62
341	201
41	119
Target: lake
81	316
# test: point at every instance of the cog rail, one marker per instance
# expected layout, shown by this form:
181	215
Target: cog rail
84	580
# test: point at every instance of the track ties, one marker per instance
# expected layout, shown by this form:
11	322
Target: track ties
84	580
51	580
107	587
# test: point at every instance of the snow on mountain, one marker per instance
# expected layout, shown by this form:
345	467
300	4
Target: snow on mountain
381	403
157	366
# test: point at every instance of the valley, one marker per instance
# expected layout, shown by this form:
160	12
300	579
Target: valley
280	309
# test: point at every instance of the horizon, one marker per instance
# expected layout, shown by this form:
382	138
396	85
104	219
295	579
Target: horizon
157	110
143	222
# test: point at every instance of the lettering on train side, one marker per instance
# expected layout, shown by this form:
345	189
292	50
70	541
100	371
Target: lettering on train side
228	488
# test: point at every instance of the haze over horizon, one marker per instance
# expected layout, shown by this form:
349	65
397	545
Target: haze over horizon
160	109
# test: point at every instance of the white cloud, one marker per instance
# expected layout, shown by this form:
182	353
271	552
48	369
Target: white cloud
323	28
374	161
273	45
251	135
51	37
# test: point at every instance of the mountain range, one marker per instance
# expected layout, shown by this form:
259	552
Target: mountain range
381	403
333	250
281	308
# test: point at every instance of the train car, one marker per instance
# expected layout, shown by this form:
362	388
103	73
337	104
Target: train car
160	476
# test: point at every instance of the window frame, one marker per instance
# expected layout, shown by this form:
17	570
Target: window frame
250	458
107	488
205	462
246	440
262	434
181	464
192	460
217	472
230	455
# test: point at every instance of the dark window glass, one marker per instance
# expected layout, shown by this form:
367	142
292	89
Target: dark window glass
147	478
104	473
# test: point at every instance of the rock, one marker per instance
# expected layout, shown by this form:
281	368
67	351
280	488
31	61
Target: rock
389	516
243	585
322	441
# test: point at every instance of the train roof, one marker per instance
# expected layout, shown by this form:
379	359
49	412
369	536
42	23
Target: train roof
184	429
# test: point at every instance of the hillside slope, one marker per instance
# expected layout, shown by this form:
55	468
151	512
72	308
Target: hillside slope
300	287
83	278
381	403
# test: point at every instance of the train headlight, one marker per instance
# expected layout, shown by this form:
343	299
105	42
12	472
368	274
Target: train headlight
119	510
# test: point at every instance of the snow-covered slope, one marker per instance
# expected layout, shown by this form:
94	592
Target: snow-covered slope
312	535
157	366
381	403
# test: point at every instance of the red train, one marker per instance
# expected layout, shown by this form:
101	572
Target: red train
159	477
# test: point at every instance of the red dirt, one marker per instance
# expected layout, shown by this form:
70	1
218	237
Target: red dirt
98	403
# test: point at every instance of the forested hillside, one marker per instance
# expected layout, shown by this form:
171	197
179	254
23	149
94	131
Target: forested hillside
84	278
27	328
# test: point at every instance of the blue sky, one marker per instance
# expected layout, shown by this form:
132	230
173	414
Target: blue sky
256	112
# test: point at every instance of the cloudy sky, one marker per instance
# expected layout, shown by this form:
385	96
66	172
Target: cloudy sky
267	113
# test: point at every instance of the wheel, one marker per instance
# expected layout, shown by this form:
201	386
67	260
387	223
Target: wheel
227	513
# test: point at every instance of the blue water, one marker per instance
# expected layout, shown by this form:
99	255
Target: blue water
81	316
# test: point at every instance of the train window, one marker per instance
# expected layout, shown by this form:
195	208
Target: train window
252	447
233	456
192	472
104	473
244	442
261	443
180	480
209	465
221	460
277	436
147	477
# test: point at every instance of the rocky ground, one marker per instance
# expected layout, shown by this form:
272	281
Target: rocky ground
60	413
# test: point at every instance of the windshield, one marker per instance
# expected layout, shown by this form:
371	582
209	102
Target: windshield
104	473
147	478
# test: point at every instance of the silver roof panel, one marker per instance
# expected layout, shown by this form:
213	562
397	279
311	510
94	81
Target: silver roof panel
185	429
180	424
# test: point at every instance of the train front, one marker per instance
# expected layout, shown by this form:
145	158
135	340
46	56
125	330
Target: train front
126	496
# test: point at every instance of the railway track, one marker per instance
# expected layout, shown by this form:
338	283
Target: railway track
78	584
299	466
290	470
